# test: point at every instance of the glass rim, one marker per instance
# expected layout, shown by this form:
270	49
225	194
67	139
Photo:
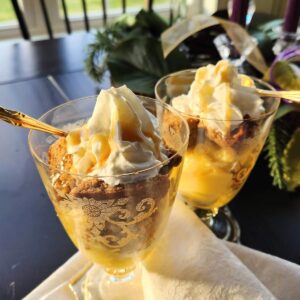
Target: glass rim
160	164
187	115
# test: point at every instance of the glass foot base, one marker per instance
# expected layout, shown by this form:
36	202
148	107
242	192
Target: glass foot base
96	284
223	225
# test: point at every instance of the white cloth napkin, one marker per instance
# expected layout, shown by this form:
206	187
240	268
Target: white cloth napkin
189	262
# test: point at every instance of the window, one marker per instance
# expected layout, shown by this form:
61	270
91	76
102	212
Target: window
7	15
36	23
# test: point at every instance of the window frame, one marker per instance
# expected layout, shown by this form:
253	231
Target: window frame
36	24
37	28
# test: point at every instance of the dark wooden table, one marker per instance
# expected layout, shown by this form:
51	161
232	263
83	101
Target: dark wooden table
32	241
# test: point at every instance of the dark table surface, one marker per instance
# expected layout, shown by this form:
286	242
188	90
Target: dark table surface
32	242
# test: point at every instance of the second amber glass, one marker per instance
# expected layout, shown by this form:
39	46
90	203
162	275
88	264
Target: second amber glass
215	167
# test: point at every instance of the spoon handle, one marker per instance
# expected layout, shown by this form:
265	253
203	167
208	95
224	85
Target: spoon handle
293	96
19	119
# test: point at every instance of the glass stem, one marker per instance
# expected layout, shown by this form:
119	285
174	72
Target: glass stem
124	285
221	223
207	215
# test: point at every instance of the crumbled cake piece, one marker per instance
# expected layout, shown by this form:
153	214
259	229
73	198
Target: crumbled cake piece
60	165
175	124
244	131
99	190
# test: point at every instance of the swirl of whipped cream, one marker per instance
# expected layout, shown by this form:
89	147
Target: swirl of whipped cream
220	94
121	137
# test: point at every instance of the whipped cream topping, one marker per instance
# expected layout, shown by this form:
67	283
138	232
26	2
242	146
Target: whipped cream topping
121	137
220	93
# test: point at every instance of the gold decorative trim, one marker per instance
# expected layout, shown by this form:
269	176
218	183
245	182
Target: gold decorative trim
109	222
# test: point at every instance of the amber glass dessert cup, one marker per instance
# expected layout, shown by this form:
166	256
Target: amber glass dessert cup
216	168
114	226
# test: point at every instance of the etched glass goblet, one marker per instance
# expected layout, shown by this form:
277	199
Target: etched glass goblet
114	226
216	167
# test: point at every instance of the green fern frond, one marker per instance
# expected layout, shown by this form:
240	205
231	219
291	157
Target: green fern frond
105	41
275	145
95	62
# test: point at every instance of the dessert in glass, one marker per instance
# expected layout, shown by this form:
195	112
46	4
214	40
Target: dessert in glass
229	124
112	179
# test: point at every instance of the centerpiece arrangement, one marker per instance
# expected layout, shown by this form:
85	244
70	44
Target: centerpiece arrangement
138	50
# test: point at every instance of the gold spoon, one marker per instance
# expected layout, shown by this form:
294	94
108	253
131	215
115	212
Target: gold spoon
19	119
293	96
